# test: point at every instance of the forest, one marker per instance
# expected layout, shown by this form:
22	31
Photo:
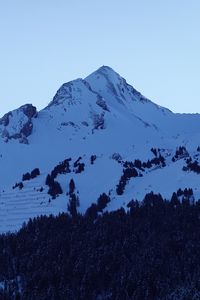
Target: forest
151	250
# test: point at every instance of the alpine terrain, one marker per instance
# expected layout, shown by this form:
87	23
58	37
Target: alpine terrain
98	145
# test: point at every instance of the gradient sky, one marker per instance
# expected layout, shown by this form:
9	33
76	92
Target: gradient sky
154	44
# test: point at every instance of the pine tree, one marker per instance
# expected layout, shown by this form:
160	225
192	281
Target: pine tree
174	199
73	204
71	186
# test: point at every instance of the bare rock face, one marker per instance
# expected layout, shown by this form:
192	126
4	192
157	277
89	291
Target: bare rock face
27	128
29	110
98	120
18	124
5	119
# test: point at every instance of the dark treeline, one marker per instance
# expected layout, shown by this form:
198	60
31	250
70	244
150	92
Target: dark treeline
132	169
152	251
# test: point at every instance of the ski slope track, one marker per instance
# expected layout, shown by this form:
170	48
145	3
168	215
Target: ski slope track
106	124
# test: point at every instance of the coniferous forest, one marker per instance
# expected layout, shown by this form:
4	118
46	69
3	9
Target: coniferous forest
149	251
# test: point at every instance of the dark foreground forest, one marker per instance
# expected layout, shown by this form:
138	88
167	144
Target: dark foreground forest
152	251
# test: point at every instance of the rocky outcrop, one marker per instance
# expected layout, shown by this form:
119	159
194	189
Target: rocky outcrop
29	110
18	124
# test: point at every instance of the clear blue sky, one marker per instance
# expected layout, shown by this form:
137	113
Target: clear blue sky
154	44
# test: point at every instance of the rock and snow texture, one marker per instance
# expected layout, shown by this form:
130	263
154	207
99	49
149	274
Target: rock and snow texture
99	116
18	123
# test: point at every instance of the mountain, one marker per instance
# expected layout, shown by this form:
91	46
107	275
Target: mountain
103	134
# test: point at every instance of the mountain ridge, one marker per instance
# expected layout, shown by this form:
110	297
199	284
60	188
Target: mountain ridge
98	127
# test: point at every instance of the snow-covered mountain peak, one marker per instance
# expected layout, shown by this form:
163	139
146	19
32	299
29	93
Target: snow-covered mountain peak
95	131
107	72
68	92
114	88
81	106
104	84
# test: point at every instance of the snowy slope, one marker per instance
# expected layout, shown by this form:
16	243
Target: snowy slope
100	115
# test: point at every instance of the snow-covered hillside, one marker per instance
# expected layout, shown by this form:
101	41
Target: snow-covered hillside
97	127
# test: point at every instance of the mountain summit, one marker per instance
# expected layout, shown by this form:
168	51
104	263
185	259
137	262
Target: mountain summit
100	136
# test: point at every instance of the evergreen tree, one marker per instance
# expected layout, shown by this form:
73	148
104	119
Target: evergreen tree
102	202
174	200
73	204
71	186
35	173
